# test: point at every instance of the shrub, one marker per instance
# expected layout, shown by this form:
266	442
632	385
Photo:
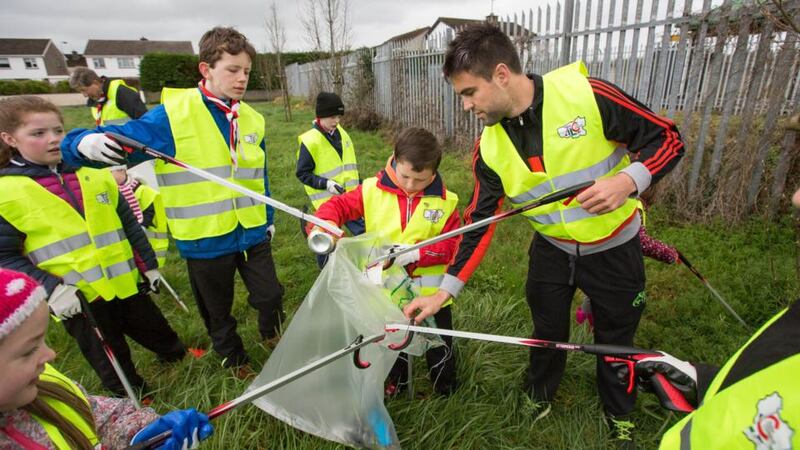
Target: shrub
159	70
10	87
62	87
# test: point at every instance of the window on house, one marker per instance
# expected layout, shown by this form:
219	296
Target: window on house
31	63
126	63
5	63
99	63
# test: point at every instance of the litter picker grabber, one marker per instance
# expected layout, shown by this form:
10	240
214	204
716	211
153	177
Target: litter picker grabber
713	291
174	294
248	397
130	145
670	397
549	198
108	351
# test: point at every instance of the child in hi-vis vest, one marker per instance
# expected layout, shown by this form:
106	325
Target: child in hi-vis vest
40	408
73	231
217	230
407	202
326	159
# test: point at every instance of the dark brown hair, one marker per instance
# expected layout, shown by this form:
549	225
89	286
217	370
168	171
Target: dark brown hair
68	430
418	147
12	115
478	48
223	39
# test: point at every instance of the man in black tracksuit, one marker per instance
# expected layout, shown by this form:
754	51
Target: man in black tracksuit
609	270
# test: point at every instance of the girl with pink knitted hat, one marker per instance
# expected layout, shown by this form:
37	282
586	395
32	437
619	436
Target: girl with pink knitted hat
40	408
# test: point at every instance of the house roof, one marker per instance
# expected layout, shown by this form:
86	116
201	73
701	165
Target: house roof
407	36
75	60
23	46
103	47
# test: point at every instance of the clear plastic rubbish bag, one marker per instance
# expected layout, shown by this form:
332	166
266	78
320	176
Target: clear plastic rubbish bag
341	402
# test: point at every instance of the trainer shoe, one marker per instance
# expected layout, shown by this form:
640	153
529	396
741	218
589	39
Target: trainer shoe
621	432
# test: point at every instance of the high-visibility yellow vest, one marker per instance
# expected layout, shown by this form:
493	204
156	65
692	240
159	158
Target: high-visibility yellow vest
328	164
759	411
381	215
110	114
52	375
157	231
197	208
575	150
92	253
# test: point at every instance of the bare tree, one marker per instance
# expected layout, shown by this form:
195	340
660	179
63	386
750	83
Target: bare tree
326	23
276	34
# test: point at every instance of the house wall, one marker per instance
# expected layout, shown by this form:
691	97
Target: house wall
17	71
112	69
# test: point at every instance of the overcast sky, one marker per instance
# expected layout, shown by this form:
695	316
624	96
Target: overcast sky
69	23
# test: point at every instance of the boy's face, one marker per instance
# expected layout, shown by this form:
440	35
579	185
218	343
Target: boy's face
411	181
228	78
330	123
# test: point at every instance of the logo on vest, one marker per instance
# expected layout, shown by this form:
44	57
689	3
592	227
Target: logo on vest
103	198
574	129
769	431
433	215
251	138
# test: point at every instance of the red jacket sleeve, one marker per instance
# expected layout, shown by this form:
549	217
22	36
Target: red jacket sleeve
441	252
343	208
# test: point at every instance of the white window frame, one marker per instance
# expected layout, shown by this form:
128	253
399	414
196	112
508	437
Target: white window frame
99	63
7	65
126	60
31	63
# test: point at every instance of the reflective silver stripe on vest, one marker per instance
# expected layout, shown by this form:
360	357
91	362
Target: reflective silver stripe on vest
249	174
592	172
246	202
570	215
209	209
89	276
178	178
338	170
161	254
320	196
204	209
351	183
116	121
109	238
686	436
156	234
428	280
59	248
120	268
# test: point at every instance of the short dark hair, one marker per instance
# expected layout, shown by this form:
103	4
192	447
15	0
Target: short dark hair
478	48
418	147
83	77
224	39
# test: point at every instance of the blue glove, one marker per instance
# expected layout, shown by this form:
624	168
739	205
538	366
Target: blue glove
188	427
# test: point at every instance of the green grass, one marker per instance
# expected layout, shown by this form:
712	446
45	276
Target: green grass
751	265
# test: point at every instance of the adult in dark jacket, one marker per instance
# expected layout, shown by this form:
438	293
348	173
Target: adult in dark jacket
111	100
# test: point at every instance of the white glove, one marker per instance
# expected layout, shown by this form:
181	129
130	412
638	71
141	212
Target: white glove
153	278
271	232
406	258
334	187
98	147
64	301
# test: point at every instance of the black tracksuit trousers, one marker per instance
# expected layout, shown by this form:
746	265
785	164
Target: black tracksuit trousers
137	317
614	280
212	282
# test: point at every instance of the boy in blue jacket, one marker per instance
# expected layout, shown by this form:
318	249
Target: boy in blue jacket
217	230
